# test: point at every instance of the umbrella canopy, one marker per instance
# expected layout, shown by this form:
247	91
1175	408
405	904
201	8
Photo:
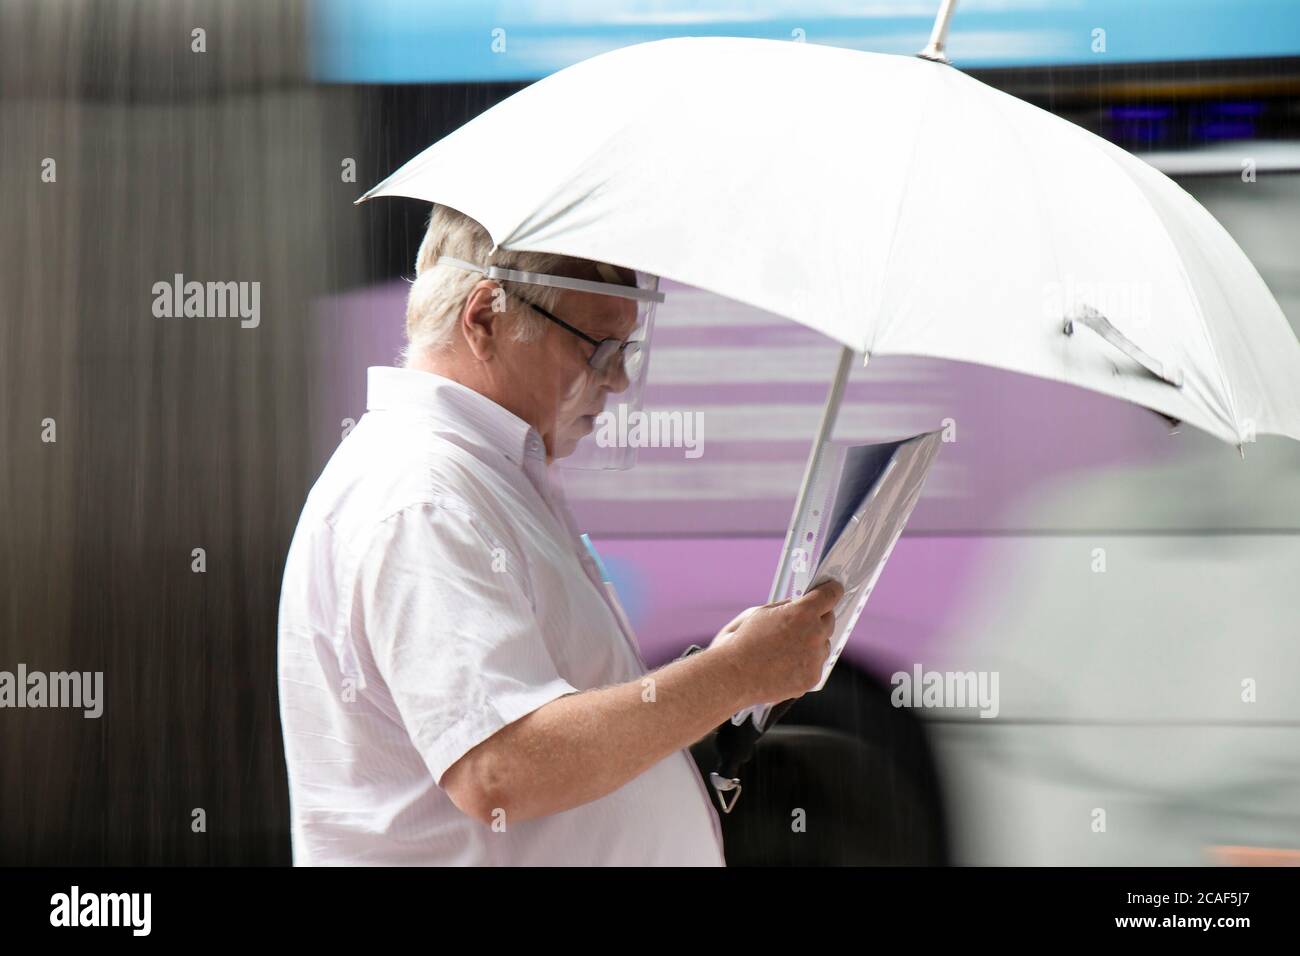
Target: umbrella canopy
892	203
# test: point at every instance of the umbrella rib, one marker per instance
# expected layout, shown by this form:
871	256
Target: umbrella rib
1045	222
575	171
935	83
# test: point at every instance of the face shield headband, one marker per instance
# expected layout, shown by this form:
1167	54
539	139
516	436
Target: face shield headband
607	446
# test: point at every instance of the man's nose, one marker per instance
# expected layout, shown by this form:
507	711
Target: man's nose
615	378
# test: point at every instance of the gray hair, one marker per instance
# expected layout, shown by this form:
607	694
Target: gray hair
439	292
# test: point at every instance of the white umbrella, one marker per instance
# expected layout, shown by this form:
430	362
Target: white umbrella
890	202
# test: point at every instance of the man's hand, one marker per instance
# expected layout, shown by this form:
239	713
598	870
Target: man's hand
780	648
729	631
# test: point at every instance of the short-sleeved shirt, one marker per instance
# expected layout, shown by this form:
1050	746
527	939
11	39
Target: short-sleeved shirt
437	590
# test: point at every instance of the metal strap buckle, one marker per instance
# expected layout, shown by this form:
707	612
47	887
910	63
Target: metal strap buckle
723	785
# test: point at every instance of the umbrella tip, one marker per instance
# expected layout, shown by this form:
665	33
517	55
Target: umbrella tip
934	50
364	196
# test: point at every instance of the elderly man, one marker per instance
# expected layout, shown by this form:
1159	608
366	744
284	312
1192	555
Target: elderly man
457	683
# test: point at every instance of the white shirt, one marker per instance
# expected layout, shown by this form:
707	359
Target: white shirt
437	590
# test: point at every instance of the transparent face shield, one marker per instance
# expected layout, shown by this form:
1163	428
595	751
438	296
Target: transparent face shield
592	379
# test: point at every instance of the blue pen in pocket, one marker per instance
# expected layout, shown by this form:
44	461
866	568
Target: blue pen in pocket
595	556
611	595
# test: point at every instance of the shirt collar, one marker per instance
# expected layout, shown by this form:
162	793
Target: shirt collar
475	416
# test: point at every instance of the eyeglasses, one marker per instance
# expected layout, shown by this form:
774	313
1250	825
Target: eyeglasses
627	350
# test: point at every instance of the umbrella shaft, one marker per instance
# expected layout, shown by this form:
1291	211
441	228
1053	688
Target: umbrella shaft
829	413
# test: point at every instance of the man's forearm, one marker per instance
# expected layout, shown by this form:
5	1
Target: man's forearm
583	746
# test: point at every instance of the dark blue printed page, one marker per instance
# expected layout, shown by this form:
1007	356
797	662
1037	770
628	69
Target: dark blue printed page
863	466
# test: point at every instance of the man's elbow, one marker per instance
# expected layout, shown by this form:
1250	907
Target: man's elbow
476	786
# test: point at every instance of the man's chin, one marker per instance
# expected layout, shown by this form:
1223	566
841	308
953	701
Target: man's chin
567	441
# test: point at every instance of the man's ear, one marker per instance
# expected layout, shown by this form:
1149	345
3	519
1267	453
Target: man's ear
478	319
